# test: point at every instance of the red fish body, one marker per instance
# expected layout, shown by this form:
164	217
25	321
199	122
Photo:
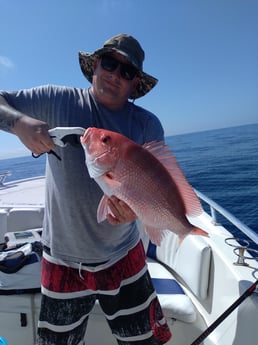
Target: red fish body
146	177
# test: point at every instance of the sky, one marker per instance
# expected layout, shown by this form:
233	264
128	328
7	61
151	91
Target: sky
204	53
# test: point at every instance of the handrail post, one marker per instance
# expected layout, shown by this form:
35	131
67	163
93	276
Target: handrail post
215	208
214	215
3	177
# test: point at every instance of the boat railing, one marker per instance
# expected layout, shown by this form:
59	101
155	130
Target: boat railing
3	177
216	208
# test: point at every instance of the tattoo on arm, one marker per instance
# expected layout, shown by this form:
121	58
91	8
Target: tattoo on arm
8	117
8	122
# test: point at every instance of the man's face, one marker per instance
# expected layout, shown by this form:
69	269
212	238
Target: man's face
110	87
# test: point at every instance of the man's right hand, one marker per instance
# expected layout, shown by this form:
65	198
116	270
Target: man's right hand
34	134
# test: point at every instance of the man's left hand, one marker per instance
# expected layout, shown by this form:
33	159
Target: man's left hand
121	212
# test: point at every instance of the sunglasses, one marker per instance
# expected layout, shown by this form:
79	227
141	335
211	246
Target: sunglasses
110	64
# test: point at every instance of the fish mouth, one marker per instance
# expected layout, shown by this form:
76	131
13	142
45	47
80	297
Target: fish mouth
95	167
94	158
86	134
91	156
100	155
86	145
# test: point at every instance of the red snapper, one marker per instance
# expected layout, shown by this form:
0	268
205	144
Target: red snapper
147	178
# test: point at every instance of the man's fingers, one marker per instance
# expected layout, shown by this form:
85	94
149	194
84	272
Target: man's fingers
121	212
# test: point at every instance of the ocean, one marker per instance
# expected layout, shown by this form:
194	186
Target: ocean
222	164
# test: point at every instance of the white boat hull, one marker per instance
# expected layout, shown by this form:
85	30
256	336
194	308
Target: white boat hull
204	267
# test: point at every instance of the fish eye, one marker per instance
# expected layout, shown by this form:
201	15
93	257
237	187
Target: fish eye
106	139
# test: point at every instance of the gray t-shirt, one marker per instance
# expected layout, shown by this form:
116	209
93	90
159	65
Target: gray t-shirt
71	230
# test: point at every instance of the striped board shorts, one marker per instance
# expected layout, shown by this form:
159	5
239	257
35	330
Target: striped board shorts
125	294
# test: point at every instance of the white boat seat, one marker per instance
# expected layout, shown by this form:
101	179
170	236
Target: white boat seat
3	224
174	302
190	261
23	218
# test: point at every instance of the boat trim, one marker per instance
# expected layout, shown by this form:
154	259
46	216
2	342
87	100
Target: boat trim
216	208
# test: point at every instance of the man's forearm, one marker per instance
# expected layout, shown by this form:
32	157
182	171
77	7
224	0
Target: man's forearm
8	116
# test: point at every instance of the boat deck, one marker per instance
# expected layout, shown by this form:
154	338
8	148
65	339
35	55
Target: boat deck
29	192
214	272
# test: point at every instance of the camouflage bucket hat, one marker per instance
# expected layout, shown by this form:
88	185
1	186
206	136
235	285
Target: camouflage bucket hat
128	47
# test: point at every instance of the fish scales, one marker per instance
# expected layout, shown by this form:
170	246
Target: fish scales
146	177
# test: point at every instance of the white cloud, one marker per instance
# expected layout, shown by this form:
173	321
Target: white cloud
5	62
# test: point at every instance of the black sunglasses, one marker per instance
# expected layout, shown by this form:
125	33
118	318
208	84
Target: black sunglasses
110	64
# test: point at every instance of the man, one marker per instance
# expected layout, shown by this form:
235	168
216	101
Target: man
82	260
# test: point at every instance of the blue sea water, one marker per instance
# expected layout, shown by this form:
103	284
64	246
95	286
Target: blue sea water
222	163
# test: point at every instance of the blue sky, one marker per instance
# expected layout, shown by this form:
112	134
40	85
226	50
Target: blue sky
204	53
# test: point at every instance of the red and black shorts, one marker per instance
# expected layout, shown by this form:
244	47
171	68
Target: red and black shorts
125	294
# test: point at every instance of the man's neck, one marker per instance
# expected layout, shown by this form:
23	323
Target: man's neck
106	103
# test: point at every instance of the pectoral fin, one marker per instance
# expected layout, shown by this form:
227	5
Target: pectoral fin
103	209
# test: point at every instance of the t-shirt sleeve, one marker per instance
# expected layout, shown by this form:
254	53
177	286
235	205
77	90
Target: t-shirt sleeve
56	105
33	102
153	130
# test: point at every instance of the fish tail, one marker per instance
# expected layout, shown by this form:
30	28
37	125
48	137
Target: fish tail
180	240
198	231
195	231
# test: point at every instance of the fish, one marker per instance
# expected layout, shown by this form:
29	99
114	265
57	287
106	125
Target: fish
147	178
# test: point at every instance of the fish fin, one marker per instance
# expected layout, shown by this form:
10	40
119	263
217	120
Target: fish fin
155	235
110	180
180	240
198	231
195	231
103	209
165	155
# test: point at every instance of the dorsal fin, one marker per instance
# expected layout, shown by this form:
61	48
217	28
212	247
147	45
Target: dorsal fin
165	155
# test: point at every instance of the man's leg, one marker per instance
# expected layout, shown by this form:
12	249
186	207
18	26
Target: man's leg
132	309
65	305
